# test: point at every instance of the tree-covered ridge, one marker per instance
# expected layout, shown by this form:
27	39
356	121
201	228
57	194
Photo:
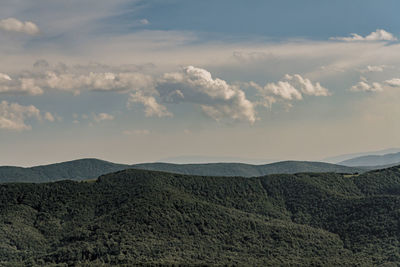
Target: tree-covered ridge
84	169
146	217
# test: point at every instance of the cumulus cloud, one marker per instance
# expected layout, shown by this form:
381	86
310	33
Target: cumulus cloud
217	98
306	86
95	77
152	107
365	86
292	87
284	90
14	25
92	81
395	82
144	22
13	116
378	35
376	68
102	117
18	86
48	116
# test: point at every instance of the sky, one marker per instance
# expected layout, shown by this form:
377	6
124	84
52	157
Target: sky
134	81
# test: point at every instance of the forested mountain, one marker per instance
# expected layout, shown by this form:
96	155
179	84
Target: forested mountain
248	170
145	217
373	160
81	169
92	168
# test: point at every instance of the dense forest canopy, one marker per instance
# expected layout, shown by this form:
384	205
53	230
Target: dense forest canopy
147	217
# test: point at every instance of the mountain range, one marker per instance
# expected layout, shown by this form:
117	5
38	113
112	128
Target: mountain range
84	169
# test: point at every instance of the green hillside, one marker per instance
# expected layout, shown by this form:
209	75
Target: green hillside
136	217
92	168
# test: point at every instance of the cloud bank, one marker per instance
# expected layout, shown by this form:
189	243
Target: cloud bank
193	86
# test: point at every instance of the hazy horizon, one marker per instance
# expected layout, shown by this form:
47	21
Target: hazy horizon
132	81
201	159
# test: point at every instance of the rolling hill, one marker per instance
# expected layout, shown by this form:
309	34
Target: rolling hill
92	168
138	217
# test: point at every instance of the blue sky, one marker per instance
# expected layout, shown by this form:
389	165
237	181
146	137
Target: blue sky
272	19
138	81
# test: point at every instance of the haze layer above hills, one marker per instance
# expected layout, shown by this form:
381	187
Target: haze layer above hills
145	217
373	160
92	168
344	157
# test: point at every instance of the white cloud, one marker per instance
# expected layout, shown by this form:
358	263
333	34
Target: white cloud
94	77
106	81
292	87
102	117
144	22
4	77
378	35
216	97
14	25
283	89
152	107
28	85
18	86
365	86
13	116
306	86
395	82
48	116
376	68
